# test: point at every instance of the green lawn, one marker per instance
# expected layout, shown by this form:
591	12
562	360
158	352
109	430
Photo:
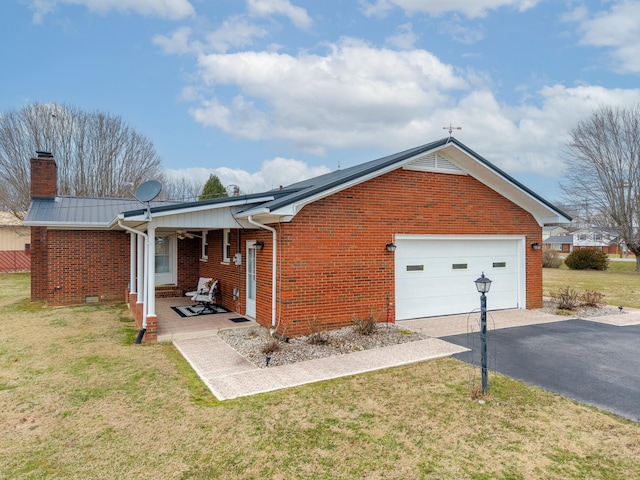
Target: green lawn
620	284
78	400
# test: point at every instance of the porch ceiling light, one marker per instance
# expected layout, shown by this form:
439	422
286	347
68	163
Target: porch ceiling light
391	247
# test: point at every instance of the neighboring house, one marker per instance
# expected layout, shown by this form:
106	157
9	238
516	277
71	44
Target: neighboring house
400	237
560	243
15	244
598	238
553	231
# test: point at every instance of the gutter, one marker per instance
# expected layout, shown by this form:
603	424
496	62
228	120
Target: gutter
145	295
274	266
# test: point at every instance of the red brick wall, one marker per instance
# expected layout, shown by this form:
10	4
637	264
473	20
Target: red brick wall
44	175
84	263
335	267
39	266
227	273
188	264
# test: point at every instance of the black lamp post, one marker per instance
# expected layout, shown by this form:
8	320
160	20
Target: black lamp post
483	284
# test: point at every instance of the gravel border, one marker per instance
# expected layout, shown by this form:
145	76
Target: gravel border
250	343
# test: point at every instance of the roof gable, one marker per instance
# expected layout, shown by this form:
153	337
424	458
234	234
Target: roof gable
447	155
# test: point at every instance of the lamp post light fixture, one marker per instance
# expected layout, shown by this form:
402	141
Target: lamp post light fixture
483	284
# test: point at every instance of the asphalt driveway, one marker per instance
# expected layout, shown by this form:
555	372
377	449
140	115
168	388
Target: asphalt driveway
593	363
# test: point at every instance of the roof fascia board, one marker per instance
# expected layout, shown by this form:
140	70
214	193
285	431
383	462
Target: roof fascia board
561	216
197	206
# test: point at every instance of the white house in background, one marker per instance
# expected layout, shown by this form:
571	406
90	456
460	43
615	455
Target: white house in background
600	238
553	231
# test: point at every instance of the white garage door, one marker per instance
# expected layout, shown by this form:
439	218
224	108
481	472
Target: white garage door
435	276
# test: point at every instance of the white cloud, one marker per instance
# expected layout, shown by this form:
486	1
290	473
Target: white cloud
273	174
616	29
170	9
405	39
353	95
178	43
469	8
267	8
234	32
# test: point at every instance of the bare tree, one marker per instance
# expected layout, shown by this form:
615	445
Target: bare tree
181	189
97	154
603	169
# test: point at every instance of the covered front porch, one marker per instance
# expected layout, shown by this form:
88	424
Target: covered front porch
171	326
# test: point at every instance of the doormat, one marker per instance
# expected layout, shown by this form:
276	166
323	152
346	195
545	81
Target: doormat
196	310
239	319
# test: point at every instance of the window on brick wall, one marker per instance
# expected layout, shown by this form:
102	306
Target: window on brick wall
226	245
166	260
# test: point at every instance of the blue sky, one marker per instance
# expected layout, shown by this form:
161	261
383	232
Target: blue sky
268	92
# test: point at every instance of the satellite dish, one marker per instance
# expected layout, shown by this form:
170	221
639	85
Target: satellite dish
149	190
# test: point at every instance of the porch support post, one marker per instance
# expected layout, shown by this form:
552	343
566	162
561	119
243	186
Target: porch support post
151	271
141	272
133	286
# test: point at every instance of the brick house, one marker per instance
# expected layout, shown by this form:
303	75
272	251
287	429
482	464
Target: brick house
400	237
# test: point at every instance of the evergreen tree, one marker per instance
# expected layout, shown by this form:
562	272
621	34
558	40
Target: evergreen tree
213	189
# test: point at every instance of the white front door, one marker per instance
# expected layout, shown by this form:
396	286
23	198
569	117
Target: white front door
251	279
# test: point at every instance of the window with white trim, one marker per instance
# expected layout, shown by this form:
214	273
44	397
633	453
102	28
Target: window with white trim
226	245
166	260
204	254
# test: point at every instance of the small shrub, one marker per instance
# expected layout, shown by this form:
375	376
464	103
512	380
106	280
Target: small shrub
365	326
592	298
587	259
318	335
271	345
551	259
567	298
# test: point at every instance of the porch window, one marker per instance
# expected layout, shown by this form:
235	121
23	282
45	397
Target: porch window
226	245
204	254
165	261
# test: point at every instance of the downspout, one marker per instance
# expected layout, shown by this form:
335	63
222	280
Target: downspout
145	293
274	266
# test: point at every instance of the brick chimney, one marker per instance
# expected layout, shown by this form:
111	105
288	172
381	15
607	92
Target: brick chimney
44	176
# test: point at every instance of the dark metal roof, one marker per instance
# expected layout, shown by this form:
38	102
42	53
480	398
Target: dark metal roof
251	200
77	211
316	185
559	239
313	186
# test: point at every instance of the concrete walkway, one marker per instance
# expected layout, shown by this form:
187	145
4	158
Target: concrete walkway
229	375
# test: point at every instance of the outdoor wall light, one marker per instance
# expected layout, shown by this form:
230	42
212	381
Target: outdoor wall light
536	246
259	245
391	247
